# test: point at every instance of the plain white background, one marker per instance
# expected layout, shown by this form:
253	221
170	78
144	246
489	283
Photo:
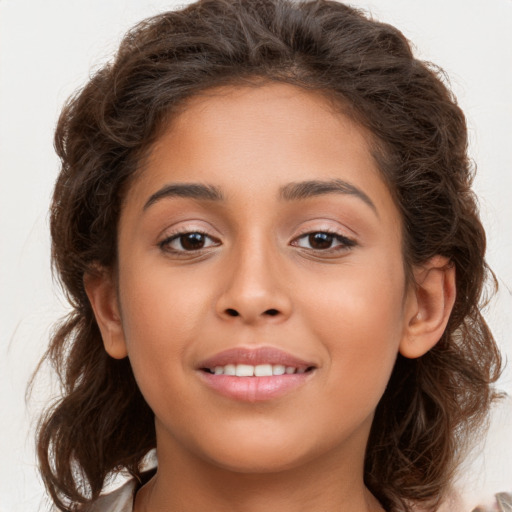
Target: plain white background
48	49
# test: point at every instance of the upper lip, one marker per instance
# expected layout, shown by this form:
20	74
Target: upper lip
254	356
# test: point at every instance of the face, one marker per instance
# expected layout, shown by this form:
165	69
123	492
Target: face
260	237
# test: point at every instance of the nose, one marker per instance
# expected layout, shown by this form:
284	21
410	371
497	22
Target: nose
255	289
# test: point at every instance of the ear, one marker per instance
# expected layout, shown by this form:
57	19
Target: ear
429	306
101	290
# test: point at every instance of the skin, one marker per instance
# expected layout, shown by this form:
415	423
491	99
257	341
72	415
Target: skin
345	306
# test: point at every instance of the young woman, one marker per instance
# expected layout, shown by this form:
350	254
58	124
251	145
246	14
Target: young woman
265	225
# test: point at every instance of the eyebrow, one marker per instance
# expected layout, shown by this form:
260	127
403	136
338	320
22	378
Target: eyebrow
188	190
290	192
313	188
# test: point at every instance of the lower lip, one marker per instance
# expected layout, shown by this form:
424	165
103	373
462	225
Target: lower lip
255	389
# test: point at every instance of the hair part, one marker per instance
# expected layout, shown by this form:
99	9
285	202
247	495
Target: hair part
434	405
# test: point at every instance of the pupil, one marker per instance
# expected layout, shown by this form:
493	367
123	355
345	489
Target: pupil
320	240
192	241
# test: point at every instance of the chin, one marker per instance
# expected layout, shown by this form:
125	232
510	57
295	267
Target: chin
255	463
255	455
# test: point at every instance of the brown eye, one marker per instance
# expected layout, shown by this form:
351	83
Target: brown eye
188	242
192	241
323	241
320	240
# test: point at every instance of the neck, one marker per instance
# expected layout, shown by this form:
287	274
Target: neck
187	484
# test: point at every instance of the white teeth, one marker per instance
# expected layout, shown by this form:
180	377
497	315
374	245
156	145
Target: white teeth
230	369
260	370
278	369
244	370
263	370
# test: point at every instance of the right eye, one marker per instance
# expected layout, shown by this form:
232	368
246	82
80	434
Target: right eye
188	242
324	241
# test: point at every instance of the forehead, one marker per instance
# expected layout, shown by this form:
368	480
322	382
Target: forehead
261	101
265	113
258	139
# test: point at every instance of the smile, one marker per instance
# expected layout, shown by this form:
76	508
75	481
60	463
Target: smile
255	375
261	370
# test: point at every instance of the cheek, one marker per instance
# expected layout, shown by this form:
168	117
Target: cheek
160	308
359	319
357	303
160	323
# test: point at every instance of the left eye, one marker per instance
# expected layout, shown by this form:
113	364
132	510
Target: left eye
321	241
192	241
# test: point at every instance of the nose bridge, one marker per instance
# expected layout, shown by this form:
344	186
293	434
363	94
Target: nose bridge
254	286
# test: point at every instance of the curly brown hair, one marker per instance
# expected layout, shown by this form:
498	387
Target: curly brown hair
434	405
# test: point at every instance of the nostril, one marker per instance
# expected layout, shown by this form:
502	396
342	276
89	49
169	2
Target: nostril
272	312
232	312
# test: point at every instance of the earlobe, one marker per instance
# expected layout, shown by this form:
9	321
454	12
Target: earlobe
430	306
101	291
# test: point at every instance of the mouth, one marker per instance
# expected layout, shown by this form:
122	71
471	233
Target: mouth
255	375
260	370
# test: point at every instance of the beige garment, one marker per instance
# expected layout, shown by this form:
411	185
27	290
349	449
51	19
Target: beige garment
503	504
121	500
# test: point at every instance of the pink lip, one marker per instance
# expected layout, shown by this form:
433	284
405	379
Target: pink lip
254	389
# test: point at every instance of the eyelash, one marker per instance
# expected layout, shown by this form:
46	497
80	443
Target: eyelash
344	242
165	244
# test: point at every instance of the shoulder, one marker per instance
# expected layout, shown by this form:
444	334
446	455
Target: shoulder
453	502
503	503
120	500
